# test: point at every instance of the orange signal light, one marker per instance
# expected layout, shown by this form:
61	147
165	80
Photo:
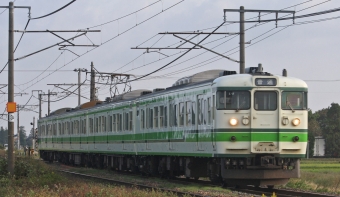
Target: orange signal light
11	107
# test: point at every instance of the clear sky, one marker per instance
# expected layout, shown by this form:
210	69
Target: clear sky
307	50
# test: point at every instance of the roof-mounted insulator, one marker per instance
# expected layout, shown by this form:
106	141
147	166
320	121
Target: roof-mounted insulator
259	68
284	73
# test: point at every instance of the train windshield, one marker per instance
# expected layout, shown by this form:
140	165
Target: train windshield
294	100
233	100
265	100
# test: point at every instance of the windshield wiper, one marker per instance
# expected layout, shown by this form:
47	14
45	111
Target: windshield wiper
288	103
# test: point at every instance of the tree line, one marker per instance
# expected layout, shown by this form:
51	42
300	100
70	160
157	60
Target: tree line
24	139
326	123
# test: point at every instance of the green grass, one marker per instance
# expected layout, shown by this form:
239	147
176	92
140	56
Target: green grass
318	175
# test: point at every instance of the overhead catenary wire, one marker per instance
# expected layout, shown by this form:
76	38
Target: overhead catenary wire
127	30
262	39
54	11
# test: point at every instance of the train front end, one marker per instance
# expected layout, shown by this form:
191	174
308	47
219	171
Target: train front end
261	127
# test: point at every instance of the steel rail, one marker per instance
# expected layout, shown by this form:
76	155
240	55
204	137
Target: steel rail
130	184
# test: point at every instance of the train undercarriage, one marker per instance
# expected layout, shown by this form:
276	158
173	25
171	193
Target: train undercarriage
258	171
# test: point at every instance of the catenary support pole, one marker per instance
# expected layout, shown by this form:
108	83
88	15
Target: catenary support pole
48	106
79	75
18	127
92	88
242	50
39	106
11	86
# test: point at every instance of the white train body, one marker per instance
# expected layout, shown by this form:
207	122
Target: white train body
239	128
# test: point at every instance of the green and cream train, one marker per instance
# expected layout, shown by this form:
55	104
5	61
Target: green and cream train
235	128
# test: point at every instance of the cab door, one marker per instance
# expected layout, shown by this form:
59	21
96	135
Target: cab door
265	121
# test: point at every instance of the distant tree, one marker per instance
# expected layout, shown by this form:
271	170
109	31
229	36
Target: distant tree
314	130
29	139
3	135
23	136
332	131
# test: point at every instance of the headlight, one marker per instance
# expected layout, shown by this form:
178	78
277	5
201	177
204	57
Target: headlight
296	122
233	121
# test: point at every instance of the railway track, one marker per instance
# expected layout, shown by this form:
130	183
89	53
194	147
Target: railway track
130	184
259	191
280	192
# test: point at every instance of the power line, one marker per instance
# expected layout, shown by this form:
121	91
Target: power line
108	40
124	15
54	11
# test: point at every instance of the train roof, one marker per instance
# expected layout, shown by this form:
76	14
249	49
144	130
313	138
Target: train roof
215	77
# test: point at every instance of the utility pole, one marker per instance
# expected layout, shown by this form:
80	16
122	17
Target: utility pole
34	134
18	127
242	51
11	86
39	98
242	34
39	106
79	70
92	88
48	101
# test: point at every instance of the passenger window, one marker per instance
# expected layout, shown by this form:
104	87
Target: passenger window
188	113
156	117
181	114
265	100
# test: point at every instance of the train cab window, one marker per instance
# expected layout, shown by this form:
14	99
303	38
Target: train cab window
265	100
181	114
188	113
233	100
294	100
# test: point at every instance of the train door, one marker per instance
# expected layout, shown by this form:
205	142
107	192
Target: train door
265	121
200	121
